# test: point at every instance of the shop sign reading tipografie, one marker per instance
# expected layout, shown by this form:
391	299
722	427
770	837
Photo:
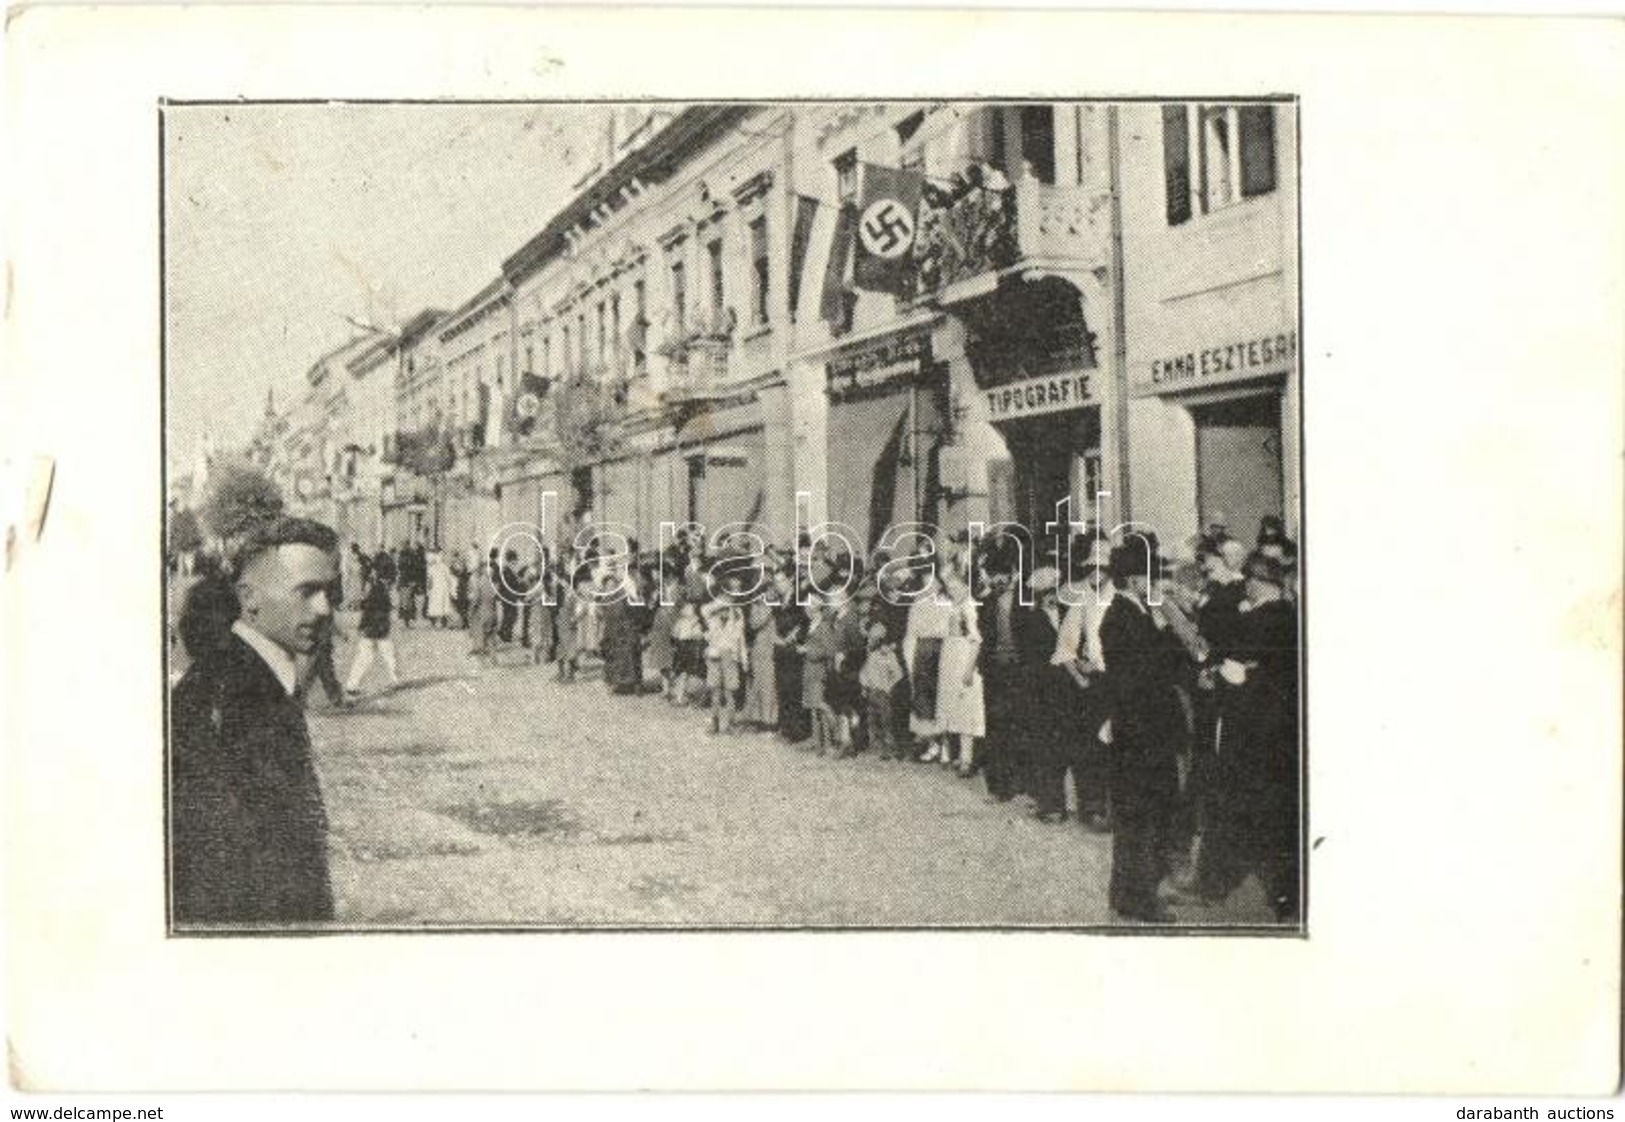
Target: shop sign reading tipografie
1037	396
1222	362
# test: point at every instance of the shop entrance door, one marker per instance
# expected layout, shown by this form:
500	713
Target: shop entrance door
1238	461
1043	451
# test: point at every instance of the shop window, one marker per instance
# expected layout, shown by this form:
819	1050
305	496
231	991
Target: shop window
760	274
1038	141
1230	149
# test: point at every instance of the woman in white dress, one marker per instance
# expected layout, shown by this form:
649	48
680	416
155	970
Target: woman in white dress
959	690
438	606
923	637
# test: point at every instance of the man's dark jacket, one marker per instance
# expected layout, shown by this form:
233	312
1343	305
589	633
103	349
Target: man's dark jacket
248	832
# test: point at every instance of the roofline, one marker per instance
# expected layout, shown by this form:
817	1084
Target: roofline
420	325
493	294
654	161
317	368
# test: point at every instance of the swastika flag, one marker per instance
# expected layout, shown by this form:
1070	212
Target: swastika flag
888	222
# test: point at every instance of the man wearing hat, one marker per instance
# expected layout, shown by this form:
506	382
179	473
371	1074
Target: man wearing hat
1253	819
1216	608
1047	699
1004	673
1085	598
1144	663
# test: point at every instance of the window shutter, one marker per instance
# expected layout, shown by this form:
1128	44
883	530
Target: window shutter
1176	162
1257	150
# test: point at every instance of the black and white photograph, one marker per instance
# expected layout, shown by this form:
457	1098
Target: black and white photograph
752	552
733	515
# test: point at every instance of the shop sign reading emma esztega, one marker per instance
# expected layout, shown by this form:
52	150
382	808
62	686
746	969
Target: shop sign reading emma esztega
1049	394
1225	362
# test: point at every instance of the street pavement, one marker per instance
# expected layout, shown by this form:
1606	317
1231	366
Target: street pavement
497	796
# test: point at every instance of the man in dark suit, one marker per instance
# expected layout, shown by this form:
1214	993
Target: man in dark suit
511	590
248	830
1143	666
1253	825
1047	700
1007	761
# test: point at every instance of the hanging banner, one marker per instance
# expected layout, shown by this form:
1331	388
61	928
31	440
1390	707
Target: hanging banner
832	299
887	223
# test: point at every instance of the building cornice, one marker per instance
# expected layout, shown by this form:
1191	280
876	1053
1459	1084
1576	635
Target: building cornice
653	162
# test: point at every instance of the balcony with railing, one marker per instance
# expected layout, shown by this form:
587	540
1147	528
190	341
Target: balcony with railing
698	362
981	225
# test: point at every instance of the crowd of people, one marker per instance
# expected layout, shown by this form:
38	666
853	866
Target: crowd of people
1168	693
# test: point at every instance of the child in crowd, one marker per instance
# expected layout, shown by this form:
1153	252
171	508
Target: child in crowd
819	656
660	651
881	674
688	634
725	653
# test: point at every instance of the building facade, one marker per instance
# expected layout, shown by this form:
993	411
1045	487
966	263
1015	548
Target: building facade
653	320
1210	235
973	390
865	314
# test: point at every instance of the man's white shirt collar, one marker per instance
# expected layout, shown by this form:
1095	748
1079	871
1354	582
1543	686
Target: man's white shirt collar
279	660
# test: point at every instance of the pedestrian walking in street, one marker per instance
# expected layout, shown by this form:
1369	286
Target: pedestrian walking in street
406	586
383	565
248	828
374	640
437	606
361	566
321	661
